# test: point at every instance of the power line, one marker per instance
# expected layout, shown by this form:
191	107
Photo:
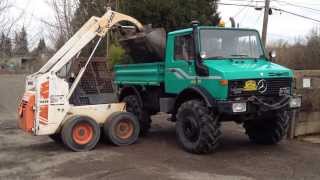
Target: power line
277	9
241	5
258	19
255	1
244	9
279	1
295	14
244	15
305	4
300	3
296	5
239	12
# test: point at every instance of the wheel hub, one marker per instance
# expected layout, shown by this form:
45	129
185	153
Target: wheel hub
82	133
124	129
191	128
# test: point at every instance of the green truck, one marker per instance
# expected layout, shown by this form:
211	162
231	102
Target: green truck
210	75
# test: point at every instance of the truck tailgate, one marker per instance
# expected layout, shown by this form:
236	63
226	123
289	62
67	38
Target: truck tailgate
140	74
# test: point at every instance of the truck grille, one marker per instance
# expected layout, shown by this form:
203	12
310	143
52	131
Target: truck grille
275	87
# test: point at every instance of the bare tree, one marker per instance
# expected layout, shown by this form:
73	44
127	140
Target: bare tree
303	54
60	28
4	4
4	9
8	22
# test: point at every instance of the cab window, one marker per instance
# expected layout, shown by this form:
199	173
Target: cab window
184	48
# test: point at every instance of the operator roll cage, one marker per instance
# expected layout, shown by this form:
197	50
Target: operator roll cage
95	26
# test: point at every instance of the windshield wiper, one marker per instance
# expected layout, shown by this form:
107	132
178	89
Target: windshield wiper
220	57
245	56
239	55
216	57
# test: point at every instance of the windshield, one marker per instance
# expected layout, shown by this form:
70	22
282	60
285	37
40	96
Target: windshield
230	44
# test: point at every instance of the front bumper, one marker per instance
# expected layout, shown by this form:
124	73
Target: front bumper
254	104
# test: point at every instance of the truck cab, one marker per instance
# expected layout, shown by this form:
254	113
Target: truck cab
210	75
229	64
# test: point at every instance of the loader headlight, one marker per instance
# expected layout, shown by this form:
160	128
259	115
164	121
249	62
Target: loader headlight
295	102
239	107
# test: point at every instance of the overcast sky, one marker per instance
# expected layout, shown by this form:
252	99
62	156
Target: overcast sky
281	25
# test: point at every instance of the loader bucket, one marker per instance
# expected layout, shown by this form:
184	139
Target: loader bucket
146	46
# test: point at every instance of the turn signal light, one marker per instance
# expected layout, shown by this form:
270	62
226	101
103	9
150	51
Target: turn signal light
224	82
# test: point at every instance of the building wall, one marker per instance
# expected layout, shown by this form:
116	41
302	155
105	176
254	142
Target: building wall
307	119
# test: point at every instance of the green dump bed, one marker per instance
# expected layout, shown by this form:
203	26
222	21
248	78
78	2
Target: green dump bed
140	74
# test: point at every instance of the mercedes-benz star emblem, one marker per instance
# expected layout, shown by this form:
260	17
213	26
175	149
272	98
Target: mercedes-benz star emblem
262	86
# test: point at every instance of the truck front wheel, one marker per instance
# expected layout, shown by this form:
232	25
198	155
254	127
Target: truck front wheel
197	128
268	129
133	106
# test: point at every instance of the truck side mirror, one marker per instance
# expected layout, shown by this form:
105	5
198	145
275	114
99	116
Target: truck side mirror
272	55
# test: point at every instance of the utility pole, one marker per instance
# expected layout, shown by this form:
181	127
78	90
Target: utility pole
265	22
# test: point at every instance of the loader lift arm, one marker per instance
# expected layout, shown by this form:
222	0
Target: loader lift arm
93	27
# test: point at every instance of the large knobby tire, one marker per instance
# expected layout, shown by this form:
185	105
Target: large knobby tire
122	128
134	106
268	129
197	128
80	133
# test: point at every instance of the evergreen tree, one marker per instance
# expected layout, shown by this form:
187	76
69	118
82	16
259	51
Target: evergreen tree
8	46
21	42
2	40
5	46
170	14
16	41
42	47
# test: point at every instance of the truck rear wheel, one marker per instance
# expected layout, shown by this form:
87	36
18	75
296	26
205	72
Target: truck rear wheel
197	129
133	106
270	128
80	133
122	128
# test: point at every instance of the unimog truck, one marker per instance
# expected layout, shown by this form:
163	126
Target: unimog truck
209	75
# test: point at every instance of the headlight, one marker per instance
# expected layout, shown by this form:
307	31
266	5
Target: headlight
295	102
239	107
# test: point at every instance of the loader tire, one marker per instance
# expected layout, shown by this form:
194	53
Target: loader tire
122	128
268	129
197	128
80	133
134	106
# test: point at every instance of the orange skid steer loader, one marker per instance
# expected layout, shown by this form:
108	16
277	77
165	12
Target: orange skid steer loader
46	108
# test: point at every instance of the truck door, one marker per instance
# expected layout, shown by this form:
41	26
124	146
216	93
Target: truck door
180	71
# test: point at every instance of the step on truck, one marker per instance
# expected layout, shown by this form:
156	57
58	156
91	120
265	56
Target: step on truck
207	76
